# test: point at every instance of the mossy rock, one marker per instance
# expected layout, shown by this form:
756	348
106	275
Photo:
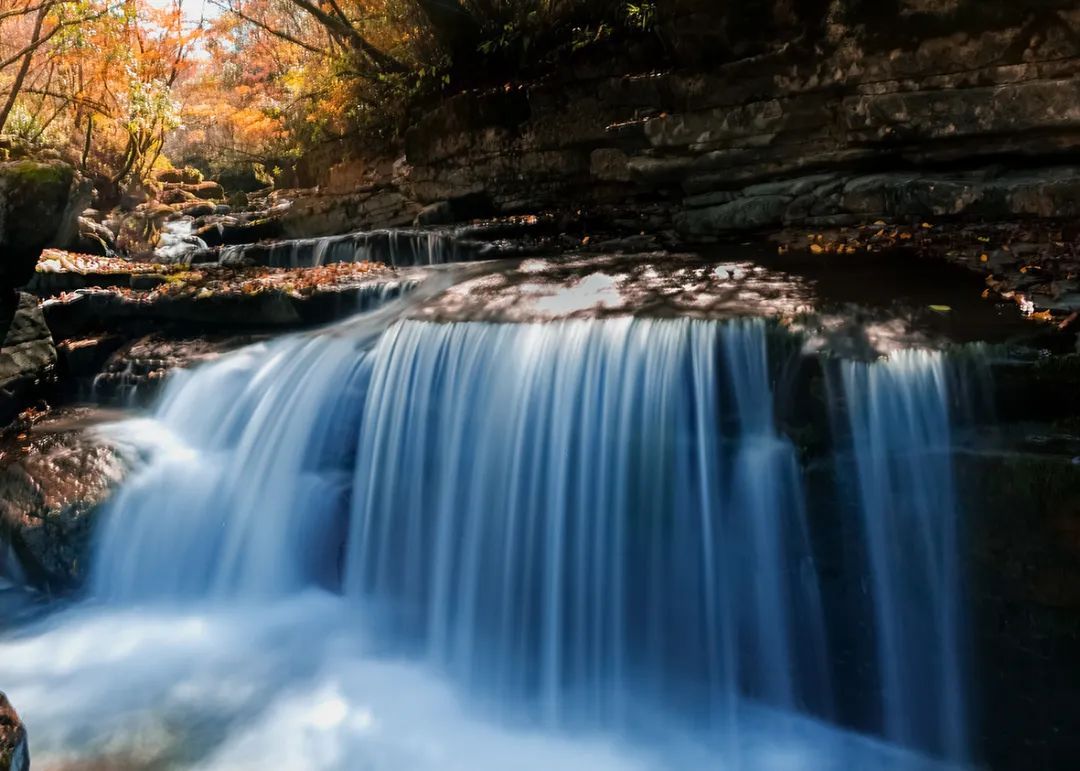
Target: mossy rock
34	207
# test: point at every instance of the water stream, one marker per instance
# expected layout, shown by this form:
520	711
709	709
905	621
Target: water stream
399	248
581	544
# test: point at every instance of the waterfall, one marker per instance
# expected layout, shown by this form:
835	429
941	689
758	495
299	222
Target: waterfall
899	420
579	509
399	248
178	241
249	467
586	525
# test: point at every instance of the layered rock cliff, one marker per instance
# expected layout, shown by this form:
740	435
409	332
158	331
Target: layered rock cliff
823	116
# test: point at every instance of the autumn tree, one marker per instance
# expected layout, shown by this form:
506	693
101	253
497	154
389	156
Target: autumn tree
284	75
94	78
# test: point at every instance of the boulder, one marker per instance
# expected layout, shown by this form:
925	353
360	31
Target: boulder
207	191
14	750
197	208
168	176
27	354
177	195
186	176
52	484
39	207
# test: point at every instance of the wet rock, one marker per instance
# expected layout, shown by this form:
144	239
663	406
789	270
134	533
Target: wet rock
94	238
14	748
214	298
749	213
53	479
60	271
383	205
1024	519
234	232
894	196
134	371
82	358
27	354
441	213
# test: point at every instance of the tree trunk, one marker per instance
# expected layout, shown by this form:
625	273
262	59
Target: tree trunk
24	68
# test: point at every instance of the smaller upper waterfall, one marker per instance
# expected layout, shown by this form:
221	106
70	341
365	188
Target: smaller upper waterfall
178	241
398	248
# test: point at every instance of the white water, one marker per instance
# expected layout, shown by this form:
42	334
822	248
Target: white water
900	426
397	248
178	241
575	545
558	511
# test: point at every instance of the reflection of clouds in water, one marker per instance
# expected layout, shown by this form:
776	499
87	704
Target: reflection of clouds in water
597	290
732	271
658	285
852	336
545	290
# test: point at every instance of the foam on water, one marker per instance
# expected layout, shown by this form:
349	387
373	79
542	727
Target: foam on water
300	684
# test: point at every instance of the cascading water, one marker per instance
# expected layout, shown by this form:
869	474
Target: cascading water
605	509
288	419
899	422
178	241
399	248
591	526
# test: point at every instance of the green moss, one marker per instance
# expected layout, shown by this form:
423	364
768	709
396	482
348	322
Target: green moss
35	174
